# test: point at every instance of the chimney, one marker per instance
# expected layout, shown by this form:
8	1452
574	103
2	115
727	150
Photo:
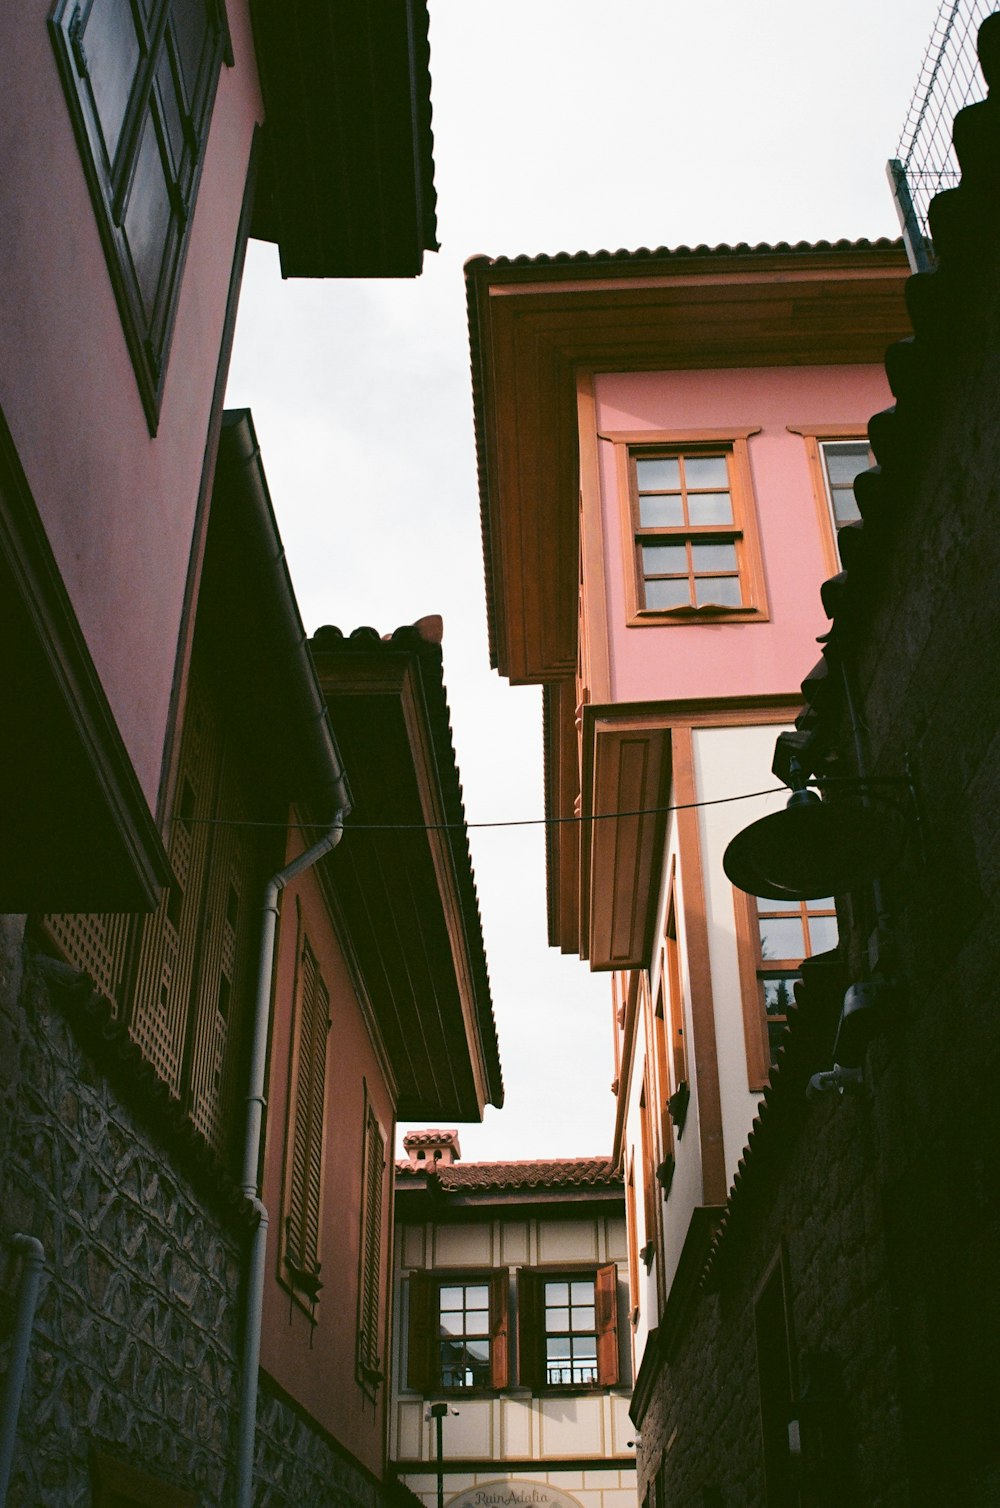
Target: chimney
430	1149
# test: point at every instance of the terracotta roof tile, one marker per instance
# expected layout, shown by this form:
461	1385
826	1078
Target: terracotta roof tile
554	1173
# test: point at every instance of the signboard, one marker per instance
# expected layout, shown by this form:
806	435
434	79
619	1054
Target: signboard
509	1494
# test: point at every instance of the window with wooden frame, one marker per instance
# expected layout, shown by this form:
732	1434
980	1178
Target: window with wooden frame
457	1331
837	454
567	1328
369	1369
140	80
773	937
649	1200
306	1120
691	545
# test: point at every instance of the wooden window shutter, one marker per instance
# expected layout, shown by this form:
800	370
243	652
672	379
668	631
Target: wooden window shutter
606	1298
373	1173
530	1329
421	1368
167	953
499	1282
307	1114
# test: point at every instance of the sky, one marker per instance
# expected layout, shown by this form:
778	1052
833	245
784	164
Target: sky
559	125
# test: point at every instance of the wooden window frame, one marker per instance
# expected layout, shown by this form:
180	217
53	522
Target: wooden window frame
111	168
300	1242
632	1243
754	969
531	1332
814	436
630	445
423	1360
369	1360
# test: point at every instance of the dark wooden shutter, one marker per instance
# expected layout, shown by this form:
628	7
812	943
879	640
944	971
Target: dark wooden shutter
499	1283
369	1349
421	1367
530	1329
307	1112
606	1298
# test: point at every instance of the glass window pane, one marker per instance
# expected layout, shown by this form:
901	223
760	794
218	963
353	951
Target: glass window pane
658	473
557	1319
664	594
823	933
775	1031
826	903
557	1348
191	29
664	560
148	217
706	471
845	460
718	591
557	1293
452	1298
845	508
582	1292
583	1317
710	508
779	994
171	106
584	1347
661	510
477	1322
477	1296
766	903
478	1350
112	49
712	557
781	937
451	1322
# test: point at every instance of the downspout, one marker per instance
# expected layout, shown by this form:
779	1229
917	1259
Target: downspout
33	1252
253	1312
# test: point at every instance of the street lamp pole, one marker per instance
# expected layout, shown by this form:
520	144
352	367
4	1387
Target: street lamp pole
437	1412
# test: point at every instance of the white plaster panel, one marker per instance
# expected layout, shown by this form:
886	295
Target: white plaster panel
571	1427
409	1431
513	1243
412	1245
622	1428
420	1483
471	1432
601	1479
617	1245
568	1241
621	1497
462	1246
515	1428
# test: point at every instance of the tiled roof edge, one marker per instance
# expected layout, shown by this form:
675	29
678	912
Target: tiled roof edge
423	640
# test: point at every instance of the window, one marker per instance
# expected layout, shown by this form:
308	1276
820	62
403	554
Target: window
836	454
774	937
369	1350
567	1328
690	535
843	460
300	1264
140	80
457	1336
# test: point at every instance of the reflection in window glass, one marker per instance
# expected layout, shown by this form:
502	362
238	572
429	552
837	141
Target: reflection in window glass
464	1327
570	1332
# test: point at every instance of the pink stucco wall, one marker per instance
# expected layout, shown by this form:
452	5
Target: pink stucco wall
318	1370
117	506
725	660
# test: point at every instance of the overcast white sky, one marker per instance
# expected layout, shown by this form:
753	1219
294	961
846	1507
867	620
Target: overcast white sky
559	125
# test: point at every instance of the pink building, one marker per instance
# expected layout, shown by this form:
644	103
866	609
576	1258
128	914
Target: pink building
667	442
141	147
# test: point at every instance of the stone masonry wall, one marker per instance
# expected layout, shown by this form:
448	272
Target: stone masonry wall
134	1348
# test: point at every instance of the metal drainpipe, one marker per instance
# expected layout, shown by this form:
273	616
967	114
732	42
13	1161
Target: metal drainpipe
33	1252
253	1310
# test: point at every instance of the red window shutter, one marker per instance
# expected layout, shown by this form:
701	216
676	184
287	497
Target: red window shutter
606	1297
421	1359
498	1329
530	1329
